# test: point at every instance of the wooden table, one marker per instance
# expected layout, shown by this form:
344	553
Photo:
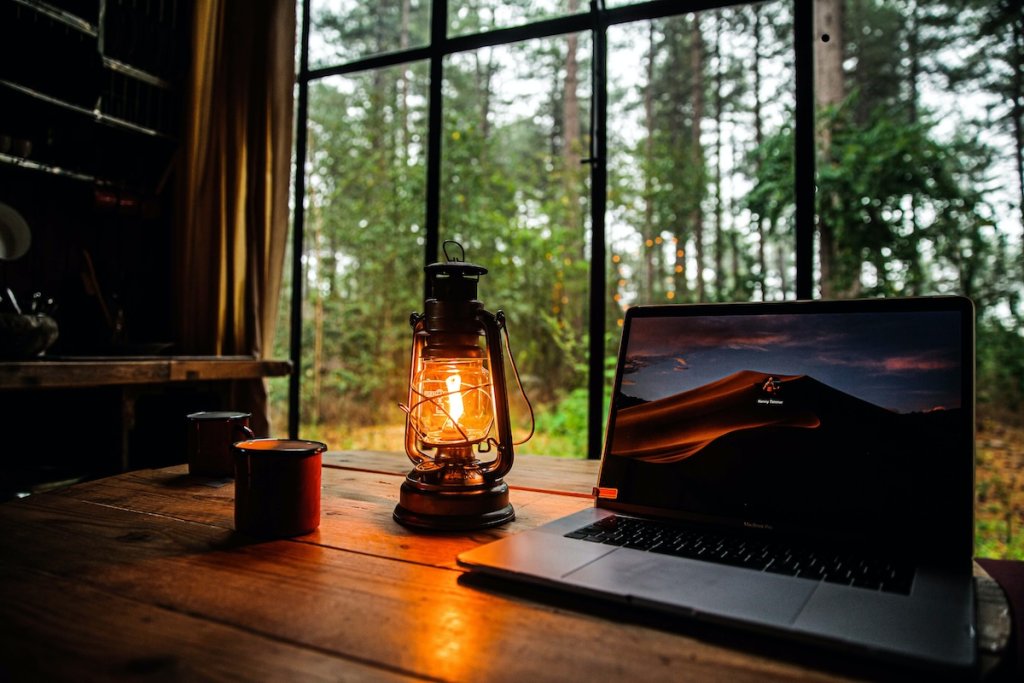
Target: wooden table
140	576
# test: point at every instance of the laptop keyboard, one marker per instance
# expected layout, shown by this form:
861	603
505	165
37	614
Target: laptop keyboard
833	567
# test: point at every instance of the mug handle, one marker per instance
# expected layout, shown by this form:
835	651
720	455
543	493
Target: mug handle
248	435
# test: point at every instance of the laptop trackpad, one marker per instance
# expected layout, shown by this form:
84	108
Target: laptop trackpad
691	587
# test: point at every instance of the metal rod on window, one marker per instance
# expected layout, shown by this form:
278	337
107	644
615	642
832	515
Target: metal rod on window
599	191
435	125
803	154
298	223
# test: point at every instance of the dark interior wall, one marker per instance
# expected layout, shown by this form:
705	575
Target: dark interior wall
91	95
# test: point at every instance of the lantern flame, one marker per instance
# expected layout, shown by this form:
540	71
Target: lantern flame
455	407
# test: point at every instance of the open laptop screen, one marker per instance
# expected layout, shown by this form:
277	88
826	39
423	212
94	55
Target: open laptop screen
848	420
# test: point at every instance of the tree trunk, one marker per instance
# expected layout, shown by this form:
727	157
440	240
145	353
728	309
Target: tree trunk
647	229
829	91
696	154
762	264
915	277
1017	108
780	259
484	71
317	222
719	246
571	153
403	89
571	156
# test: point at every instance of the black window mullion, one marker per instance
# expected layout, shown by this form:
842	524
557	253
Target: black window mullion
298	224
599	201
803	154
435	126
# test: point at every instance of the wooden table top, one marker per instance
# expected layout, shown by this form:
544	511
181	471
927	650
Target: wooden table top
140	575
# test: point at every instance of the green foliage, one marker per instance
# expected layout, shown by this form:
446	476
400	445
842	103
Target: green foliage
1000	362
909	202
569	419
899	202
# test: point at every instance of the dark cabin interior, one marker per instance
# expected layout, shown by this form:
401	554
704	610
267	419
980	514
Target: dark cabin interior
98	156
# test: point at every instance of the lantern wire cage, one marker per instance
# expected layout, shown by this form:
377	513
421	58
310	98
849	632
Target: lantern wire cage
463	391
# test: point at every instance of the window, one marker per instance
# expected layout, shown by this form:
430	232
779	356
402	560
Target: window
598	155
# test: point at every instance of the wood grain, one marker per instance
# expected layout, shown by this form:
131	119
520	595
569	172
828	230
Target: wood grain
92	634
142	576
529	472
355	515
403	616
116	371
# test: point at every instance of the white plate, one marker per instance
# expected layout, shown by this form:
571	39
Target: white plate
15	237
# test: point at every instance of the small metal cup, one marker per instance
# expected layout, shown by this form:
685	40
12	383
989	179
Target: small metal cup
277	487
210	435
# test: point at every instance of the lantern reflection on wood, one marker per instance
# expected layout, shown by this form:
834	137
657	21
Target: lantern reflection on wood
457	398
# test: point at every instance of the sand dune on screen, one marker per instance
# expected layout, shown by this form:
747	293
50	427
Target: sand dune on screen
674	428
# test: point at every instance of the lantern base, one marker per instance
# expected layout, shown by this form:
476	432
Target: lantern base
453	508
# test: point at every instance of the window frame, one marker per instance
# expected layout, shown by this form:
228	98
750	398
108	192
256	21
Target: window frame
595	19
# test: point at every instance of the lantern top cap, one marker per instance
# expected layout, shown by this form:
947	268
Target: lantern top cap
455	262
453	279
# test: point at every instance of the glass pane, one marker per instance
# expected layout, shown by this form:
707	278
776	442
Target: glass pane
920	193
363	254
700	112
346	30
516	195
466	17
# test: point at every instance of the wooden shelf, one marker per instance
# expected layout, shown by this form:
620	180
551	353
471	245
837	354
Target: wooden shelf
52	170
59	15
94	114
136	73
97	371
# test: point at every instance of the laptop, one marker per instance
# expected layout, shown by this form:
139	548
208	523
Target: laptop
805	468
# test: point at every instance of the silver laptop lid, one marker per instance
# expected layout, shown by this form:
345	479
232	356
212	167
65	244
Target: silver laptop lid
852	421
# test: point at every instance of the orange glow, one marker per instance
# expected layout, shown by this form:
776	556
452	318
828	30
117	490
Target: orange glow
679	268
616	258
649	243
452	402
679	253
452	630
657	240
670	295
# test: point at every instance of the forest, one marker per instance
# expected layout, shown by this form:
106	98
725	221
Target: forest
920	190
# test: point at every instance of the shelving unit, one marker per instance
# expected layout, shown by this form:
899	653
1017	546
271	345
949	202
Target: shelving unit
91	98
90	84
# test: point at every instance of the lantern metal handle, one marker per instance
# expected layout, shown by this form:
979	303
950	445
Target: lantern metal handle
418	341
502	463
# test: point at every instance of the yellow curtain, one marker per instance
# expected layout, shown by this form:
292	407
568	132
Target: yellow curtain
236	155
